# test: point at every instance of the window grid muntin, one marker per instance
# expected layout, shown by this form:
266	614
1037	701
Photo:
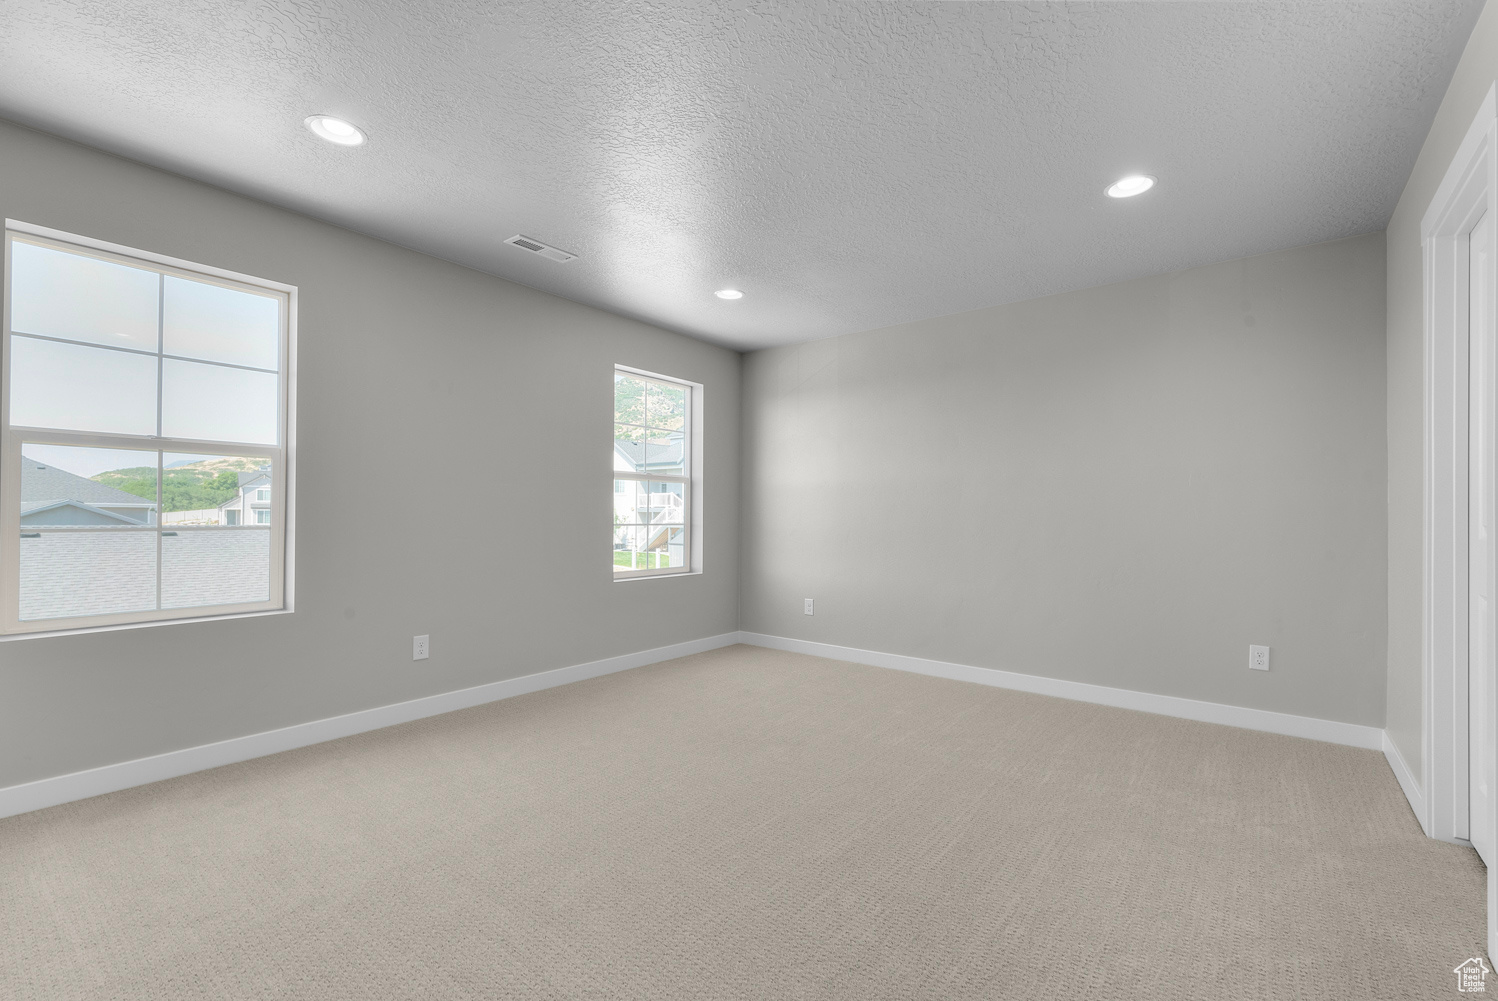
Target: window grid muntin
13	437
167	355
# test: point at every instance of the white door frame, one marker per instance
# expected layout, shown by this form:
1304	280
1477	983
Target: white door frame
1469	189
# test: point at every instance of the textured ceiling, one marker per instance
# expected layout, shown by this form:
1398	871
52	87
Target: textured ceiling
849	165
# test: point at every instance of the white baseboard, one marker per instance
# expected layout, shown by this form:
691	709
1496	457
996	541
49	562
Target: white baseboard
1406	779
110	778
1331	731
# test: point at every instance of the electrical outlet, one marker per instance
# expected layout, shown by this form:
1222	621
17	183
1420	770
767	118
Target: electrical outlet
1258	658
809	607
421	647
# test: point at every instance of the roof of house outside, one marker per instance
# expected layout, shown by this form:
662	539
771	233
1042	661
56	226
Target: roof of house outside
43	483
95	572
36	507
250	476
667	453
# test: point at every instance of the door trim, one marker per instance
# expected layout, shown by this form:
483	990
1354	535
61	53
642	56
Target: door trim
1466	193
1482	759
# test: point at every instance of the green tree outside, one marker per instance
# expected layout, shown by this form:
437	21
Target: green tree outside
181	489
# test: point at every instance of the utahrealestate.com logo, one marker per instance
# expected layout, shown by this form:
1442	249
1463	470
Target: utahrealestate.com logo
1471	976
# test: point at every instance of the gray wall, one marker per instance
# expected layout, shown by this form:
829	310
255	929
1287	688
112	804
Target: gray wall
1126	485
423	379
1406	387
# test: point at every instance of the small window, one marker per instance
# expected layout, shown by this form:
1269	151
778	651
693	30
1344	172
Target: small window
653	528
142	393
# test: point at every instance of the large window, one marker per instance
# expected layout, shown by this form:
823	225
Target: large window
652	475
143	438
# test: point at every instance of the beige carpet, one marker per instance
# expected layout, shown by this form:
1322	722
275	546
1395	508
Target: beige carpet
750	824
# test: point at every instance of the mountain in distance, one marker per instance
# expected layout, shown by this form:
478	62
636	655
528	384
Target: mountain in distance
190	485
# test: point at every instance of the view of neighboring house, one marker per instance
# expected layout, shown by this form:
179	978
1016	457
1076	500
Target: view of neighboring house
58	569
665	498
51	496
251	505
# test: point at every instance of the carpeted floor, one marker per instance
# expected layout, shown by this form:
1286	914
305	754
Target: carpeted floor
748	823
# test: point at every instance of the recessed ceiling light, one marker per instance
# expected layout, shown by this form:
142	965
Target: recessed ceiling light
729	293
1128	187
336	130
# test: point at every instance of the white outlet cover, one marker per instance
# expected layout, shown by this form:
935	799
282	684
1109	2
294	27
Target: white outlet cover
421	647
1258	658
809	610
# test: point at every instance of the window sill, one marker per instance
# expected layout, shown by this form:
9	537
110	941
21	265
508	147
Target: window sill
82	630
658	576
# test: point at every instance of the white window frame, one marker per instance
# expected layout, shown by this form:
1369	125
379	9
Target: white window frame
262	493
280	456
690	480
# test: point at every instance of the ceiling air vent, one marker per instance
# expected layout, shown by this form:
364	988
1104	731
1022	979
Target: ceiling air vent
540	249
